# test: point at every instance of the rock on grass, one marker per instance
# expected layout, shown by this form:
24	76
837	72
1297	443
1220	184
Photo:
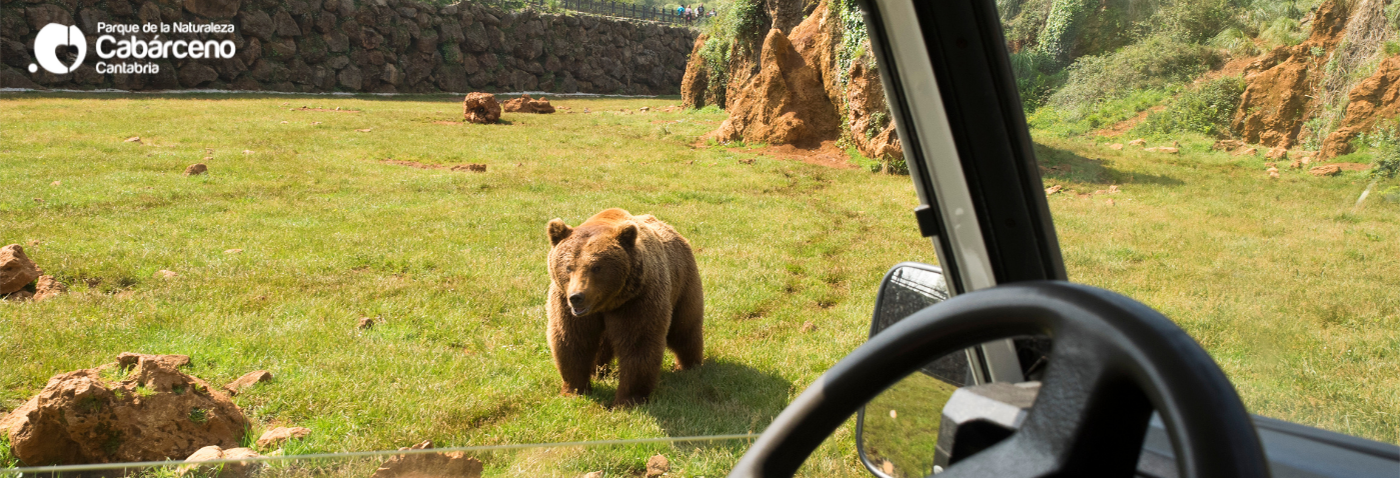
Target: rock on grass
276	436
481	108
152	413
247	380
658	465
240	469
16	270
447	465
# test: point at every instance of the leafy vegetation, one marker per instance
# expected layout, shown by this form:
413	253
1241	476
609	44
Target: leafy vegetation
1037	77
854	39
1157	62
1206	110
1383	143
7	457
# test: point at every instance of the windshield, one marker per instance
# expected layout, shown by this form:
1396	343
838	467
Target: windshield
313	234
1261	215
345	272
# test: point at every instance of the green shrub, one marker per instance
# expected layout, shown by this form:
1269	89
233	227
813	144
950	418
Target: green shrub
1392	47
1283	32
1062	28
1384	142
7	457
1206	110
1051	120
1236	41
1154	63
853	37
1036	77
1023	27
1194	21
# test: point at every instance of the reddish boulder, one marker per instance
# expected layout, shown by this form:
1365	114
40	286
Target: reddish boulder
481	108
1332	169
276	436
424	465
657	465
247	380
525	104
16	270
154	412
47	287
239	469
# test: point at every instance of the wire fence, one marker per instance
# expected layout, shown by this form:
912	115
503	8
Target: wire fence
611	9
325	464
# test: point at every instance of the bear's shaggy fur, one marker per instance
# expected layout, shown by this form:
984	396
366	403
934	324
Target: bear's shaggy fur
625	285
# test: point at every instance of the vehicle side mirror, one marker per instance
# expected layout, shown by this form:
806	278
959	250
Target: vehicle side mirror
897	432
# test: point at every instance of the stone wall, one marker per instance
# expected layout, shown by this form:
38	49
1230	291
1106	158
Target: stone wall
380	46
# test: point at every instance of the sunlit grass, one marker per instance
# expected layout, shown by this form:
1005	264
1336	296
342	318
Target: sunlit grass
1286	282
453	263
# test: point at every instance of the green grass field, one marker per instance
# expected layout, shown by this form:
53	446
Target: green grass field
1283	281
453	263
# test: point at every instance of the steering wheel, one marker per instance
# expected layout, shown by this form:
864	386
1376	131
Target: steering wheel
1113	361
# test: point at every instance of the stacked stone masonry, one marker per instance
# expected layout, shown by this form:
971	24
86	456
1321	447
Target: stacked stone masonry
376	46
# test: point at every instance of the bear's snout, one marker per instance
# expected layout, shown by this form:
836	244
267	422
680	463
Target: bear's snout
576	304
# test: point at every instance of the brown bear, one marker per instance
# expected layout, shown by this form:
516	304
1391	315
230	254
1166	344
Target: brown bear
625	285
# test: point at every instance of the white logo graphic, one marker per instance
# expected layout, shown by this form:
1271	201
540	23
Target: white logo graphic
49	39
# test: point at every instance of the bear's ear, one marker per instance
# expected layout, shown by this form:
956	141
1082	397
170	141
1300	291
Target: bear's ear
627	236
558	231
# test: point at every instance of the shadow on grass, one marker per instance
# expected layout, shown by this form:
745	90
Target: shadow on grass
1065	165
720	397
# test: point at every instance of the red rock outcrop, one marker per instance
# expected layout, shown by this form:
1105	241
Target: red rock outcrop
872	129
525	104
697	76
16	270
1374	99
481	108
1279	85
154	413
785	103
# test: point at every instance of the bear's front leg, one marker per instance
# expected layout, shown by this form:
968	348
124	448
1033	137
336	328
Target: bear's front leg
574	342
639	341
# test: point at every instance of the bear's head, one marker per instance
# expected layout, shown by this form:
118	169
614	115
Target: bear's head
592	264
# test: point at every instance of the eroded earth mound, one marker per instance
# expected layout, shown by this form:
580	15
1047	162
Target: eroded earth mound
481	108
1277	94
785	103
697	77
525	104
141	408
1374	99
